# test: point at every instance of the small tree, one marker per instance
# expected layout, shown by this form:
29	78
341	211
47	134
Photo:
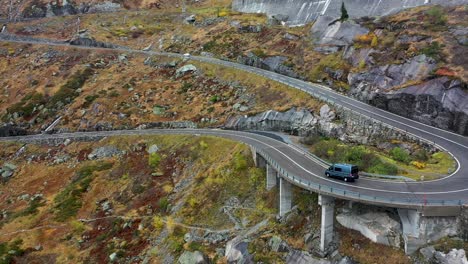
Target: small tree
374	42
344	12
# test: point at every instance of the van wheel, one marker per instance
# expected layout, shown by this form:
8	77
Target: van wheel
346	179
327	174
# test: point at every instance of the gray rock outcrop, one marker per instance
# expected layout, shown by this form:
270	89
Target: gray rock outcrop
185	69
327	31
90	42
453	257
237	252
271	63
8	130
439	102
461	34
7	170
193	258
105	152
378	226
302	257
389	76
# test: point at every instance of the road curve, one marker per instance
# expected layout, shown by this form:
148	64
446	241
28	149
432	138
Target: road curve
302	171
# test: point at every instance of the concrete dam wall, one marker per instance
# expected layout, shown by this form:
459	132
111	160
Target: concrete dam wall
303	11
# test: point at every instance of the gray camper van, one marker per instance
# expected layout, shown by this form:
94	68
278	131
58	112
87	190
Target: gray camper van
347	172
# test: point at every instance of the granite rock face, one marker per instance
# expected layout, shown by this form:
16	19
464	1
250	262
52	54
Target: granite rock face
438	102
327	31
304	11
272	63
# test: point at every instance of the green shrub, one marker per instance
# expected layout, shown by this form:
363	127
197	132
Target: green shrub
214	99
154	160
400	154
114	94
185	87
163	204
421	155
436	16
433	50
259	53
384	168
89	100
10	250
67	92
240	162
31	209
68	201
333	61
210	45
27	105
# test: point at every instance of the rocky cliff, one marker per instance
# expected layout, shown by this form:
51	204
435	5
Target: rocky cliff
303	11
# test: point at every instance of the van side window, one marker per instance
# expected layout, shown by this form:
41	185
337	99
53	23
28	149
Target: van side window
337	169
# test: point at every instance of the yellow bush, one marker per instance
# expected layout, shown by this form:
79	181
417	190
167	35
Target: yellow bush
158	222
78	226
168	188
366	38
192	202
170	224
418	165
375	41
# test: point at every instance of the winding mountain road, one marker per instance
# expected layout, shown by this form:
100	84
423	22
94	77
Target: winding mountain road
298	168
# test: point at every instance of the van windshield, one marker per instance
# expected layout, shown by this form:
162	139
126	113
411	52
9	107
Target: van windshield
354	170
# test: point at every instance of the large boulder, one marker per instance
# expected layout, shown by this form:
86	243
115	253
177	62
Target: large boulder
378	226
392	75
271	63
193	258
185	69
105	152
6	171
8	130
237	252
90	42
302	257
461	34
453	257
327	31
278	245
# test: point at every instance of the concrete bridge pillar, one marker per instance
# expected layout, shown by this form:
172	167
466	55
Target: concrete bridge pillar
285	196
427	224
326	231
271	177
259	161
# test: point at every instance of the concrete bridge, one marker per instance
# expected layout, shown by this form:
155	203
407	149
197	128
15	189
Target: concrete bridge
420	205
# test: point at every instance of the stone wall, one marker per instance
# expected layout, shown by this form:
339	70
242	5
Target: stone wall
303	11
338	123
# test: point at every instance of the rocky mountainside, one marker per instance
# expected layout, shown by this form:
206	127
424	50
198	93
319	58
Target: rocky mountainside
403	65
153	199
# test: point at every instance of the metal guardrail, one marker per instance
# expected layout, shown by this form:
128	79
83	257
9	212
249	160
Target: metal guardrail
324	189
